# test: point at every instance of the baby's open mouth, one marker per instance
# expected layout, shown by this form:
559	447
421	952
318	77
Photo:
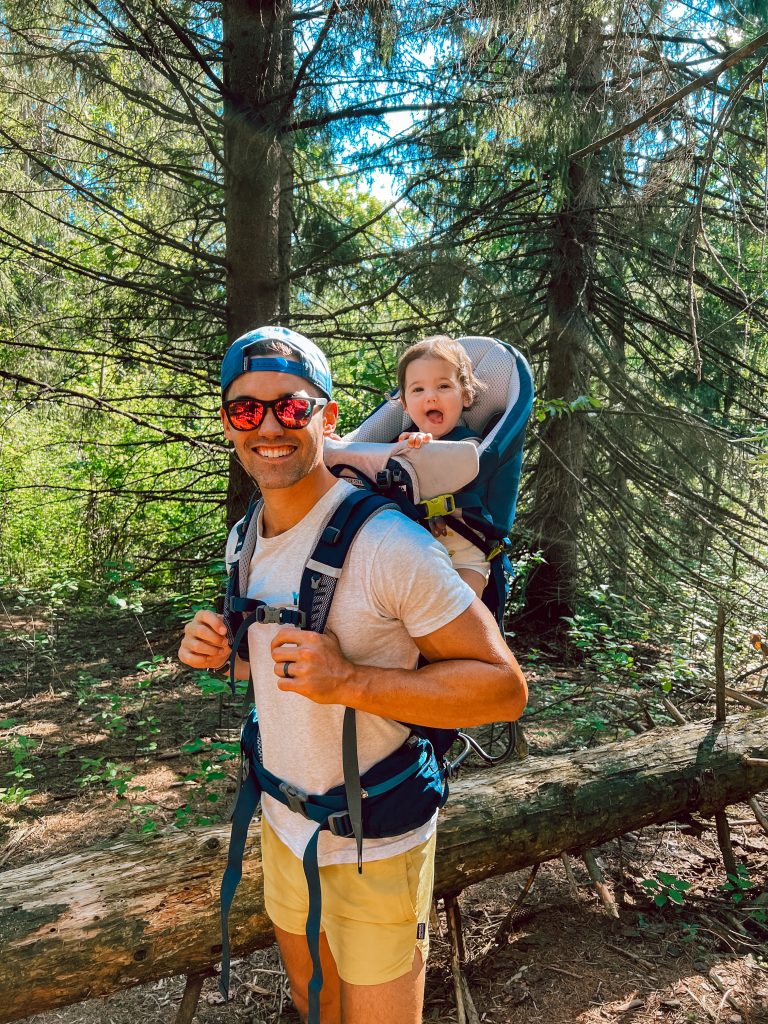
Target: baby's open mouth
435	416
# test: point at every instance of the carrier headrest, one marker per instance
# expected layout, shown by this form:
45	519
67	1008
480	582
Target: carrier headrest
493	363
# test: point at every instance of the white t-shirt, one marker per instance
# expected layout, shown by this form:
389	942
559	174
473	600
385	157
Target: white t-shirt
397	583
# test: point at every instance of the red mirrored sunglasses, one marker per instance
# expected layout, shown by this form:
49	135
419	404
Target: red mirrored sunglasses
292	412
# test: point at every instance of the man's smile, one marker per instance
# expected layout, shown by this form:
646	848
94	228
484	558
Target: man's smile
274	451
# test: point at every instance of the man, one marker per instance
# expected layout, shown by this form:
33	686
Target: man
398	596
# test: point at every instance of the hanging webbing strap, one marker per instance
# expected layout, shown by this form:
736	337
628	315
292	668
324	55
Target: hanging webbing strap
352	787
248	798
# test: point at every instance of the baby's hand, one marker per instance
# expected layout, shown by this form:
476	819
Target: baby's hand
415	439
438	527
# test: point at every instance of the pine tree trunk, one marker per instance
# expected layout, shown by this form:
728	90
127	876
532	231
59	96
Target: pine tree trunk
556	518
97	921
258	39
618	484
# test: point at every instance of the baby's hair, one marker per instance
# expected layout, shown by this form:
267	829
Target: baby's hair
441	346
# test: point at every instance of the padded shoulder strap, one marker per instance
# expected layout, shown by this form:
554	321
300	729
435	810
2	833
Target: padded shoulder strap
323	568
246	548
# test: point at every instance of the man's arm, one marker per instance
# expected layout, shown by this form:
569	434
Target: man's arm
472	678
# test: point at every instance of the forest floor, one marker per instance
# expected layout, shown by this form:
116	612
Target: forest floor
103	733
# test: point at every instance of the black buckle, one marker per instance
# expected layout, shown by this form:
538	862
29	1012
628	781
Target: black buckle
340	824
330	535
295	798
388	478
267	613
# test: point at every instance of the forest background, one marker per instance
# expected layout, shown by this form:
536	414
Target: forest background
368	173
585	179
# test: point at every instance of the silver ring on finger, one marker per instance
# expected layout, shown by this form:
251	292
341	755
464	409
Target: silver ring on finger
286	673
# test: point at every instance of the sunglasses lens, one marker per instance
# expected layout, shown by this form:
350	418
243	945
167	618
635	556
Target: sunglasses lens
246	414
294	412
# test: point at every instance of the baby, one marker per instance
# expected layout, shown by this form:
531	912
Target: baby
436	385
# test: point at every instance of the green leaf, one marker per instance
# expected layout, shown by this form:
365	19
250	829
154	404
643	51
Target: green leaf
680	885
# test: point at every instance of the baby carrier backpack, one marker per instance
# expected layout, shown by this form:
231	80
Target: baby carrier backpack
404	790
498	416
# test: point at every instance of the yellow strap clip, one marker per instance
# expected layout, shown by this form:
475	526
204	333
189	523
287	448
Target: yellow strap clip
440	505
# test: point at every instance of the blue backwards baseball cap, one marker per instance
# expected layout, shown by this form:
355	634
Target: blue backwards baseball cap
312	364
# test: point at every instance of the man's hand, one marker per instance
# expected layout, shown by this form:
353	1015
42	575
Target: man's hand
205	643
314	661
416	438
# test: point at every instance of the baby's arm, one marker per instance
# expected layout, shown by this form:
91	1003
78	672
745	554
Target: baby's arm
415	438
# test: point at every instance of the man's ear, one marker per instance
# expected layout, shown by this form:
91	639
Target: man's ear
225	424
330	415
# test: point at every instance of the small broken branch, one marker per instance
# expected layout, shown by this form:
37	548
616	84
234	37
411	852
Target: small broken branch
508	923
569	873
189	1000
743	698
465	1006
598	880
724	842
678	716
631	956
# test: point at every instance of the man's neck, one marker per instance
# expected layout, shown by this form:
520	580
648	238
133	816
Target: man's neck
286	506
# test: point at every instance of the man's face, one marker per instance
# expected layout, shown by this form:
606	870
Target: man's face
273	455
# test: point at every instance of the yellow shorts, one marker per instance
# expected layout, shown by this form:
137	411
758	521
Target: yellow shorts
373	921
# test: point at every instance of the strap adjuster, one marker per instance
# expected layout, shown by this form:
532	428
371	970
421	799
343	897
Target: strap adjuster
501	547
440	505
387	478
340	824
295	798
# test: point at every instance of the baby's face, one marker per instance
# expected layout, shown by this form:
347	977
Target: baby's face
432	395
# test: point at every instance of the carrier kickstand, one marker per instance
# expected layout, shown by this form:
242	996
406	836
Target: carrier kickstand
465	1007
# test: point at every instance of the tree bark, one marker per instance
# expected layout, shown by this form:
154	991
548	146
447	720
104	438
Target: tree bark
556	518
94	922
258	72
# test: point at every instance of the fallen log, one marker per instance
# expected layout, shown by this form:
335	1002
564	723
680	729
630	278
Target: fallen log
94	922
